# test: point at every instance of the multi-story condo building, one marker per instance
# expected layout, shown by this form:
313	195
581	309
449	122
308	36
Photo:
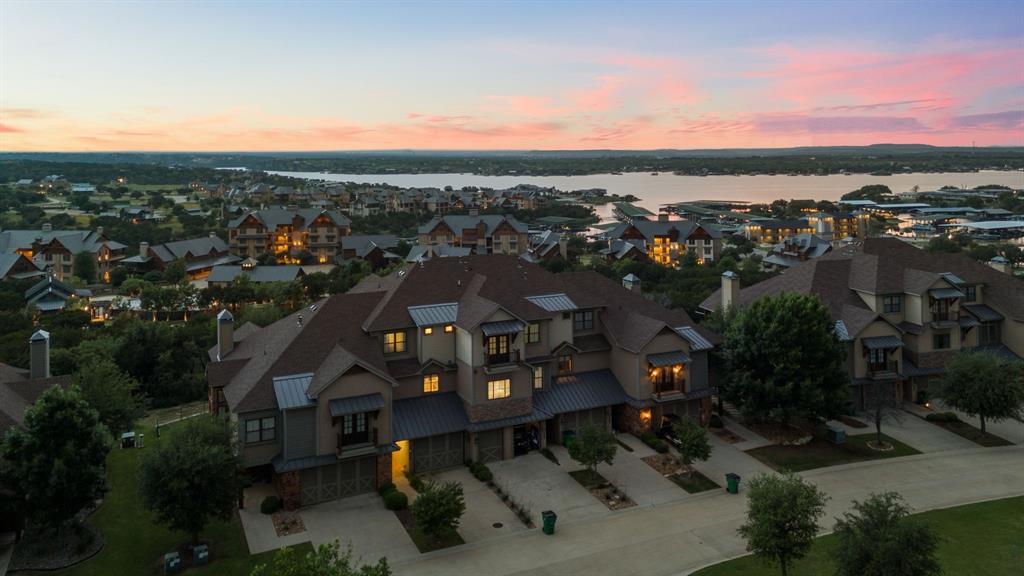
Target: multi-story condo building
287	233
484	234
55	250
839	225
665	241
454	359
796	250
200	255
902	312
775	231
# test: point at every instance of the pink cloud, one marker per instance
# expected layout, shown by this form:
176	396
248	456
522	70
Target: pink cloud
8	128
602	97
1010	120
838	124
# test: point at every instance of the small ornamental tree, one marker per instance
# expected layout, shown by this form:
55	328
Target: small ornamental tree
57	460
877	538
985	386
592	446
693	442
782	518
324	560
785	360
192	475
83	266
882	404
438	508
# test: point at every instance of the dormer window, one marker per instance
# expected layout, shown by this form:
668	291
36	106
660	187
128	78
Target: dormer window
970	293
583	321
892	304
428	331
394	342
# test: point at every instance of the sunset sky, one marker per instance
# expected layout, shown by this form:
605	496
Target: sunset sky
501	75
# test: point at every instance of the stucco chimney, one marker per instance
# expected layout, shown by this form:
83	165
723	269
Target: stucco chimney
730	289
563	246
1002	264
631	282
143	249
39	354
225	334
47	227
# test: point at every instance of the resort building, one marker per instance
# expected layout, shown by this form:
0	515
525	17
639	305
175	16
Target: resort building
289	233
55	250
200	255
664	241
483	234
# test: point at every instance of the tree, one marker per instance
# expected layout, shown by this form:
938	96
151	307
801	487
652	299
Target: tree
983	385
110	392
593	445
882	404
57	460
439	508
878	539
785	360
175	272
84	267
118	275
782	518
192	475
693	442
324	560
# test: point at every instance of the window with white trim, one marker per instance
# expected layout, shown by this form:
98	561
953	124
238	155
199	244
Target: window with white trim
533	333
497	389
260	430
538	377
394	342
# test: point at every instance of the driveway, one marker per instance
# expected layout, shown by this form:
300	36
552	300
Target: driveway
539	484
1012	430
486	515
679	537
726	458
916	433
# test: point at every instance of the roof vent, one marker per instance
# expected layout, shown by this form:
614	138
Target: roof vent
401	273
300	319
312	307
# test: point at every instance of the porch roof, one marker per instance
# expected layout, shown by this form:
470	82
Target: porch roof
881	342
581	391
667	358
428	415
502	327
356	404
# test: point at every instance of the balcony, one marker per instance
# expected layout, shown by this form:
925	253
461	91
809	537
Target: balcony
498	363
668	391
354	445
889	370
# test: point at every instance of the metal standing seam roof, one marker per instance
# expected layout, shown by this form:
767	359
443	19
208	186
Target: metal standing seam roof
428	415
945	293
581	391
554	302
969	321
952	278
291	391
356	404
841	332
502	327
881	342
697	342
667	358
983	312
433	314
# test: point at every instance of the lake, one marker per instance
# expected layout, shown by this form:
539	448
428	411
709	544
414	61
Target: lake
666	187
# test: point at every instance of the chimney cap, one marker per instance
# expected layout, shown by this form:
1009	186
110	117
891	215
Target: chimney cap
225	316
39	335
999	260
729	274
630	278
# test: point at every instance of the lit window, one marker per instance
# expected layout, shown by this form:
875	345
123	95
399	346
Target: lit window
583	321
428	331
565	362
448	328
532	333
538	377
499	389
394	342
430	382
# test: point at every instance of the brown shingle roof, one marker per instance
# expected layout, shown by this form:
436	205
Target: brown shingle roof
18	393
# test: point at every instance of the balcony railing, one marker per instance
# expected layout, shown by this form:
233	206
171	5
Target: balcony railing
884	370
510	357
354	448
669	389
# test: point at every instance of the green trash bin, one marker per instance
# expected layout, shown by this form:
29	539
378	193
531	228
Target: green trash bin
548	518
732	483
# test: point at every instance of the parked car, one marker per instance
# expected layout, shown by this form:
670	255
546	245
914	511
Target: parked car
667	430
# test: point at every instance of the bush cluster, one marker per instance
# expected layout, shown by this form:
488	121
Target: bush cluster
659	445
270	505
393	499
942	417
481	472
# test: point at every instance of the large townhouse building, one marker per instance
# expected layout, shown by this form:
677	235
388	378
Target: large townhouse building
55	250
902	312
665	241
200	256
455	359
484	234
287	233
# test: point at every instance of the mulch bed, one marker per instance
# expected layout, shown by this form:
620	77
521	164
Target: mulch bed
423	542
602	489
43	550
781	434
728	435
286	523
665	464
852	422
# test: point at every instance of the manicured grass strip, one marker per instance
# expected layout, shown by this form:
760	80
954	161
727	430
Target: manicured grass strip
975	540
588	479
696	482
423	542
819	453
966	430
135	545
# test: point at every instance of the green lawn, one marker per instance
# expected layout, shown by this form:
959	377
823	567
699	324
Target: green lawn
974	540
966	430
135	545
819	453
694	483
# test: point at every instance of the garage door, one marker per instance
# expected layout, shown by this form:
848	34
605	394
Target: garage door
489	445
576	420
346	478
437	452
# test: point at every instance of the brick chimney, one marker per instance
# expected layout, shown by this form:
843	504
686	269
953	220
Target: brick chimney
1002	264
730	289
39	354
225	334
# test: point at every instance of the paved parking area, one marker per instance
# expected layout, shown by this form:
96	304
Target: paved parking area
483	508
540	484
645	485
726	458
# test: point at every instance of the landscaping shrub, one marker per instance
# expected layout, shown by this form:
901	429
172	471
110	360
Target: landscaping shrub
715	421
661	447
415	481
396	500
482	473
942	417
387	488
654	442
270	505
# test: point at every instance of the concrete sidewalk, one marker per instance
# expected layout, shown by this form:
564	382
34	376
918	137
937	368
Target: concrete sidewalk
679	537
1012	430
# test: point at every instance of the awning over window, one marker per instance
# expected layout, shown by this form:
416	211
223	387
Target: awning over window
356	404
667	358
881	342
946	293
502	327
983	313
968	321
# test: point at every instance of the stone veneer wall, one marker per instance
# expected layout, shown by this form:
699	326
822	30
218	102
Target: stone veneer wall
935	359
383	470
498	409
288	490
631	421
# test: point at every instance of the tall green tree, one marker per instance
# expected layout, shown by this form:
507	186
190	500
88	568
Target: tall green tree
191	476
438	509
593	445
693	442
110	392
785	360
324	560
84	266
782	518
56	461
984	385
175	272
878	539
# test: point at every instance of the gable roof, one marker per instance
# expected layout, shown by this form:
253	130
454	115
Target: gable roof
274	217
190	248
18	392
458	223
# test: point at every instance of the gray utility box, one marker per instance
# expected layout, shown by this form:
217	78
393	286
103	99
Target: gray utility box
172	563
201	555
